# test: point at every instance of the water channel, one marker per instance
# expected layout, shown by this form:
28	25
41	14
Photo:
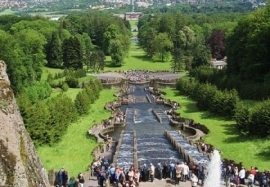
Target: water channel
152	145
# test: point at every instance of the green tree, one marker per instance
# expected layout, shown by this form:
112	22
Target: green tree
54	51
32	44
36	123
82	103
116	52
248	47
163	46
89	47
97	61
72	53
13	55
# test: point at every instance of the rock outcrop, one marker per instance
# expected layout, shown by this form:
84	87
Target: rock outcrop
19	162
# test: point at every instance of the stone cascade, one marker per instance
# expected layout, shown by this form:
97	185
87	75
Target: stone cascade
155	148
124	156
190	153
160	115
130	115
151	98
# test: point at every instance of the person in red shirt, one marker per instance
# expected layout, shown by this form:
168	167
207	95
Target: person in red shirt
253	171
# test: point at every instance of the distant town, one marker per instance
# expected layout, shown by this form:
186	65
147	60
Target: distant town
36	5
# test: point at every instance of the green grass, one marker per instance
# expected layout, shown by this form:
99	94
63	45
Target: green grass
133	23
74	151
52	71
71	93
136	60
224	136
7	12
87	78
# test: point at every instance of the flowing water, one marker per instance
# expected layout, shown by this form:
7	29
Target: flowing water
152	145
213	178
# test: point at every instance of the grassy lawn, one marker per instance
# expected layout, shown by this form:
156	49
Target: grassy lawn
136	60
7	12
133	23
74	151
72	93
223	135
52	71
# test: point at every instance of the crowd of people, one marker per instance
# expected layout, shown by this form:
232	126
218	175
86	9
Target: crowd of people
234	176
62	179
131	177
137	76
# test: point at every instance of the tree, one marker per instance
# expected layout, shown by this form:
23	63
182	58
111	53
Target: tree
72	53
116	52
183	46
201	53
163	45
32	44
82	102
54	51
12	54
89	47
97	60
217	44
146	36
248	47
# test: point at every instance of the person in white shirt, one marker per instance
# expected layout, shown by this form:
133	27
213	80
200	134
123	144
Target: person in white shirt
185	171
242	175
152	172
194	180
250	180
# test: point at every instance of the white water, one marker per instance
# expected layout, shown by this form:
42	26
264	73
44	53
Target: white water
213	171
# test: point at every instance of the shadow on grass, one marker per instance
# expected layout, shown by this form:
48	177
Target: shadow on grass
235	136
265	154
108	64
90	137
143	58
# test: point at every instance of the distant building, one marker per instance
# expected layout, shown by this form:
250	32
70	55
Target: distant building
219	64
133	15
98	7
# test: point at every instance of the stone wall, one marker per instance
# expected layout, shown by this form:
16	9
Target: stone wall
19	165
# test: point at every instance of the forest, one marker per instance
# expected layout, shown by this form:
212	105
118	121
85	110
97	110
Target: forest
80	42
189	43
77	45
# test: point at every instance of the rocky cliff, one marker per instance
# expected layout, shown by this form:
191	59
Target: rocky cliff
19	163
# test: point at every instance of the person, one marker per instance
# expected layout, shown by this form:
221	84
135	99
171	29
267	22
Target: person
236	176
194	180
122	177
250	180
130	176
254	172
172	170
159	169
60	177
185	171
137	177
242	175
112	173
65	178
72	182
145	173
177	175
152	172
263	180
101	178
80	180
165	171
